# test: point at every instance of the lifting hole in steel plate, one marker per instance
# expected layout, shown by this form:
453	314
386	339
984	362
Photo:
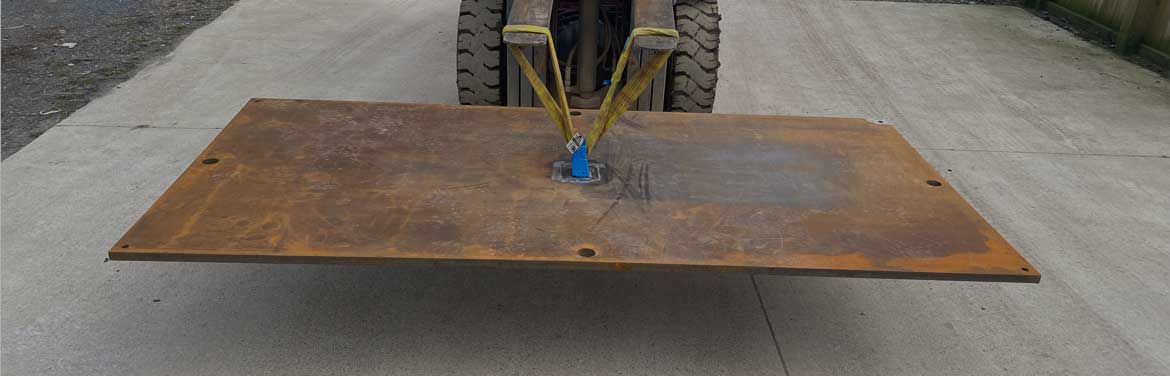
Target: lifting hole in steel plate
575	113
934	183
211	161
586	252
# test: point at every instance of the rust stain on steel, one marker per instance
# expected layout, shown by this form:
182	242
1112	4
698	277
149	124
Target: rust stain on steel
354	182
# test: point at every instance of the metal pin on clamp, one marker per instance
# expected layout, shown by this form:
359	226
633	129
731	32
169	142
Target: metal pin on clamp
580	159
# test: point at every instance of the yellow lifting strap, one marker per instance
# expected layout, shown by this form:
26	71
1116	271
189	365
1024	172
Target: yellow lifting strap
611	108
557	109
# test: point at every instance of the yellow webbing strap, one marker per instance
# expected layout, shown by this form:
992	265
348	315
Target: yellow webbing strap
611	108
558	109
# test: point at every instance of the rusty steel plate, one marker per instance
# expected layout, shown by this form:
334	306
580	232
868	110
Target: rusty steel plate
298	181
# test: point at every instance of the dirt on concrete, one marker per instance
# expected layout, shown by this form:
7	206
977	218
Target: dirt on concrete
1018	3
60	54
1101	38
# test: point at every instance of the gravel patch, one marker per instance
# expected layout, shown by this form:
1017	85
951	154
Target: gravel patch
58	54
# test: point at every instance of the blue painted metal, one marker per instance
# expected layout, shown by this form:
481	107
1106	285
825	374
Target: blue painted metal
580	161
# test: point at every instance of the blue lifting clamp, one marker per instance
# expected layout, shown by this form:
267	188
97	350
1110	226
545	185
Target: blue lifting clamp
580	161
578	169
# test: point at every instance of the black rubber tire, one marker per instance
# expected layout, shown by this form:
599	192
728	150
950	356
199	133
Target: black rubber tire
695	64
480	52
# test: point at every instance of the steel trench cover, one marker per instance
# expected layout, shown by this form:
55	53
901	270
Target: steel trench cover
305	181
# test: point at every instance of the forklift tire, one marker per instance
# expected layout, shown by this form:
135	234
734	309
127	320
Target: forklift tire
480	58
695	64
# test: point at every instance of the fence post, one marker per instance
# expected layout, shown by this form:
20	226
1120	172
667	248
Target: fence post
1134	25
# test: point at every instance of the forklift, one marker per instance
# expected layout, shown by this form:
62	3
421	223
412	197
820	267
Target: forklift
589	33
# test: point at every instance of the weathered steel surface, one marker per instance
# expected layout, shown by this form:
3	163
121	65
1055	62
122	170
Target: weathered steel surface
355	182
646	13
654	13
529	12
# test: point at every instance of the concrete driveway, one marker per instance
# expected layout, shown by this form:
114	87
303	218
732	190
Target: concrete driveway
1061	145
